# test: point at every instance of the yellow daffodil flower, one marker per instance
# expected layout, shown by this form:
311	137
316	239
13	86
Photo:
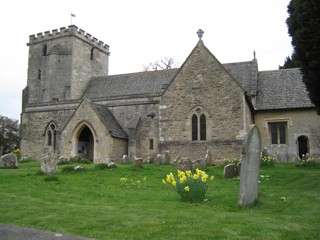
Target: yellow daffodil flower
195	176
174	183
164	181
188	172
187	188
212	178
183	179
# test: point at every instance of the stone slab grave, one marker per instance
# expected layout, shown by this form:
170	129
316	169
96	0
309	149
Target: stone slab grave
250	167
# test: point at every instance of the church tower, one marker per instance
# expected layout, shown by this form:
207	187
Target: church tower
61	64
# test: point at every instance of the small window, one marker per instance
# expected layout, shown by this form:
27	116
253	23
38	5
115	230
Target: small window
203	127
151	147
194	127
39	74
278	132
199	126
44	50
92	54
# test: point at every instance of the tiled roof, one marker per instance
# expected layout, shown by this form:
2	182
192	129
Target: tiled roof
281	89
144	84
241	72
277	89
109	120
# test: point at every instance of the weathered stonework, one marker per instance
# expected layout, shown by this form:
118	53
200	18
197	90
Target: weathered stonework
72	108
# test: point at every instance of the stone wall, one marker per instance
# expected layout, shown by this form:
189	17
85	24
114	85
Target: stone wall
33	129
299	123
67	66
202	86
119	148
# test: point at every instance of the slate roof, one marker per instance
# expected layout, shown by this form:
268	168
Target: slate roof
241	72
143	84
277	89
281	89
109	120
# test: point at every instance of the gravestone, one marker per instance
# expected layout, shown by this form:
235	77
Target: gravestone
49	163
9	161
184	164
62	160
159	159
138	162
208	158
166	159
112	164
201	164
250	166
230	171
125	159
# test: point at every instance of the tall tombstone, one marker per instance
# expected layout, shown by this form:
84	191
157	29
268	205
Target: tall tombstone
250	166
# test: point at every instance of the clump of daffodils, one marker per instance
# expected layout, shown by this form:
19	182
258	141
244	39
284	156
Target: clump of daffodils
192	187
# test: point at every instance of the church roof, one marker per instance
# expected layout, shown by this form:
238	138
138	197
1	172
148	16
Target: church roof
241	72
143	84
109	120
277	89
281	89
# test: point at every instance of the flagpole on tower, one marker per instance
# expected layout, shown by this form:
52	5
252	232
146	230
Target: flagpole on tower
72	16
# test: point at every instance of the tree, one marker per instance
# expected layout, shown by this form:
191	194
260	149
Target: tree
166	63
9	134
291	62
304	28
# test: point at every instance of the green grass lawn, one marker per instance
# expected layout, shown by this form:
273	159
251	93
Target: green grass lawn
94	203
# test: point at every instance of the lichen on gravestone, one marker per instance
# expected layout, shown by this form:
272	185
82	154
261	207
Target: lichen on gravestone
250	167
49	163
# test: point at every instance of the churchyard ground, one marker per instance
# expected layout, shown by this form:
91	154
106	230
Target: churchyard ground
96	203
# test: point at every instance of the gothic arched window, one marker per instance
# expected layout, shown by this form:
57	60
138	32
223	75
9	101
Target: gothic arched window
203	127
199	126
52	135
194	127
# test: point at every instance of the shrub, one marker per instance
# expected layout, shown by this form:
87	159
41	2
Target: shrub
190	187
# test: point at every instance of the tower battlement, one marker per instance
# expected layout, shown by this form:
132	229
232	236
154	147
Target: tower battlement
71	30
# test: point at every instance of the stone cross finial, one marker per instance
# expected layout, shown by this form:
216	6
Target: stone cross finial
200	33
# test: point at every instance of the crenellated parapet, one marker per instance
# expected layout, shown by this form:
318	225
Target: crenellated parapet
67	31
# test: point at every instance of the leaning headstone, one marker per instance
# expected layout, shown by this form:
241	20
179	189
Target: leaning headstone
9	161
200	164
125	159
250	166
159	159
49	163
230	171
138	162
166	159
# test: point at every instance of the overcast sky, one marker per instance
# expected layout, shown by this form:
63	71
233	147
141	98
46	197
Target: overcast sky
142	31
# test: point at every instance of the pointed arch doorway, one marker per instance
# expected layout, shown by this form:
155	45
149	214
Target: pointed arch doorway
83	142
303	146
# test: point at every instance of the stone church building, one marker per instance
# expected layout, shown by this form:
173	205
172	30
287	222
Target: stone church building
71	106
